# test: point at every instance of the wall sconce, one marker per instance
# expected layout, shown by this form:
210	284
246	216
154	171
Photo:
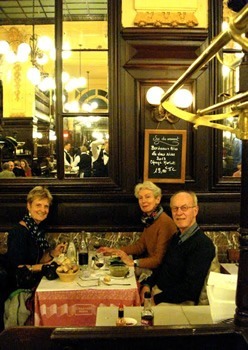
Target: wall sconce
181	98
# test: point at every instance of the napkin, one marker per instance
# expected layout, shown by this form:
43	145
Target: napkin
221	291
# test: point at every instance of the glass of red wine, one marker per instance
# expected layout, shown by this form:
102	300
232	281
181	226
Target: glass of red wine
99	261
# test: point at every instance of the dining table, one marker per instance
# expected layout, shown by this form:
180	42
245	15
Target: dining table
164	315
75	303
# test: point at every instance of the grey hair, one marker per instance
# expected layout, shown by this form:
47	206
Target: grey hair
147	185
191	193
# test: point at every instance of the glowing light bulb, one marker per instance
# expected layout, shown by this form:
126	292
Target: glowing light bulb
182	98
45	43
11	57
34	75
65	77
154	95
4	47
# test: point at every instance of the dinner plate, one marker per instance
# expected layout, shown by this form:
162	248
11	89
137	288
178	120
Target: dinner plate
130	321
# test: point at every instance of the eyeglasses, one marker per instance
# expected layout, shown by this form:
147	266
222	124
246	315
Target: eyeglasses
183	208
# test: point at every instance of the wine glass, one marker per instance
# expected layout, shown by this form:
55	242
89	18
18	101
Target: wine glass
99	261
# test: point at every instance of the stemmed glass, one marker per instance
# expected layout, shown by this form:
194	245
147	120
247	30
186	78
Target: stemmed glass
99	261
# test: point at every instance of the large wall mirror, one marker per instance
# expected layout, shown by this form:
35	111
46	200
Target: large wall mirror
30	123
229	60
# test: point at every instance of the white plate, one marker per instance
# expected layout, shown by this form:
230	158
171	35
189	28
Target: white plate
90	278
130	321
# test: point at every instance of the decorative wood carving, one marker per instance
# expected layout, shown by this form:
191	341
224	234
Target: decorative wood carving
169	19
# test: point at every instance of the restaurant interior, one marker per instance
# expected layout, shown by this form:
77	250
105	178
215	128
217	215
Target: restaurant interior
111	71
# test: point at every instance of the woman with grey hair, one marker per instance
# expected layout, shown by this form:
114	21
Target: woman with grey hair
150	248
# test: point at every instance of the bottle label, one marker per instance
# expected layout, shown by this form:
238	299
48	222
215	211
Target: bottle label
147	320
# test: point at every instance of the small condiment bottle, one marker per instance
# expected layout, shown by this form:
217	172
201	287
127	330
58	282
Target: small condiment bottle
147	314
120	320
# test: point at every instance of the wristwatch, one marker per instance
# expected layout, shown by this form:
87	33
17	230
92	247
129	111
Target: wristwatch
136	263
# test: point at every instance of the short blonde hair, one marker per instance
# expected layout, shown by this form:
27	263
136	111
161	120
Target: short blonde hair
83	149
40	192
191	193
147	185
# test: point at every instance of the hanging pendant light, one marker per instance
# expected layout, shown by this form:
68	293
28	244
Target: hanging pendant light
34	75
87	106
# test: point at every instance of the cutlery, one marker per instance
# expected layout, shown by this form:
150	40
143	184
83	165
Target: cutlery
89	285
116	284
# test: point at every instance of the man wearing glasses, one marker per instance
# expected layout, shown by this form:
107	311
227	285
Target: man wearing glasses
181	275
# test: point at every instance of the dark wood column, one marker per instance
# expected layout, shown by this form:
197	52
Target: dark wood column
241	316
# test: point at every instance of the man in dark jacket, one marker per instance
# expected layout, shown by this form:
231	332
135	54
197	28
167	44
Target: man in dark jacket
186	263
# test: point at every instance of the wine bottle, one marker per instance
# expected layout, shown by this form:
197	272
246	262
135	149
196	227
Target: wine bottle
71	251
83	253
147	315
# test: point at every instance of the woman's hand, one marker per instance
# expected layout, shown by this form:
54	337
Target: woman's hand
142	293
107	250
118	252
48	256
59	249
34	268
124	257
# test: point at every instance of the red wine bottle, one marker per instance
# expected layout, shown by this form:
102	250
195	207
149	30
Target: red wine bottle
147	315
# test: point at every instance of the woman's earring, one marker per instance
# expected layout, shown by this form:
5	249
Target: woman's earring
29	214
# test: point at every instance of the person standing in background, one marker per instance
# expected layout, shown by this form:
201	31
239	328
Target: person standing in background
100	157
68	160
83	162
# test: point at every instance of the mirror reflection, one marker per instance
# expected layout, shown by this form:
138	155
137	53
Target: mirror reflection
232	146
86	151
230	59
29	120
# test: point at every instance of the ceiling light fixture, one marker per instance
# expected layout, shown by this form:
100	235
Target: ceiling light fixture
87	105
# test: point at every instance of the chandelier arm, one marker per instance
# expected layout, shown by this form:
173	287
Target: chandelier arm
223	63
170	108
219	127
242	106
221	40
202	120
228	102
239	25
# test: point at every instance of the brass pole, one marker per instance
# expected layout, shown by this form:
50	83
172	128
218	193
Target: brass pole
241	314
239	25
226	103
221	40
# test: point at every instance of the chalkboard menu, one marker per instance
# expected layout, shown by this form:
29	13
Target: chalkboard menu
165	155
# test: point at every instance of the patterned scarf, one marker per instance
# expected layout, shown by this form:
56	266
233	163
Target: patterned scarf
149	219
36	232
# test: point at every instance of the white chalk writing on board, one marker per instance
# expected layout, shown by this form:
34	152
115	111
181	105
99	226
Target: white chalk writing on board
165	154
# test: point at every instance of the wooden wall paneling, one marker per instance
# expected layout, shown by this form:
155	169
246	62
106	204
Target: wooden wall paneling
110	203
